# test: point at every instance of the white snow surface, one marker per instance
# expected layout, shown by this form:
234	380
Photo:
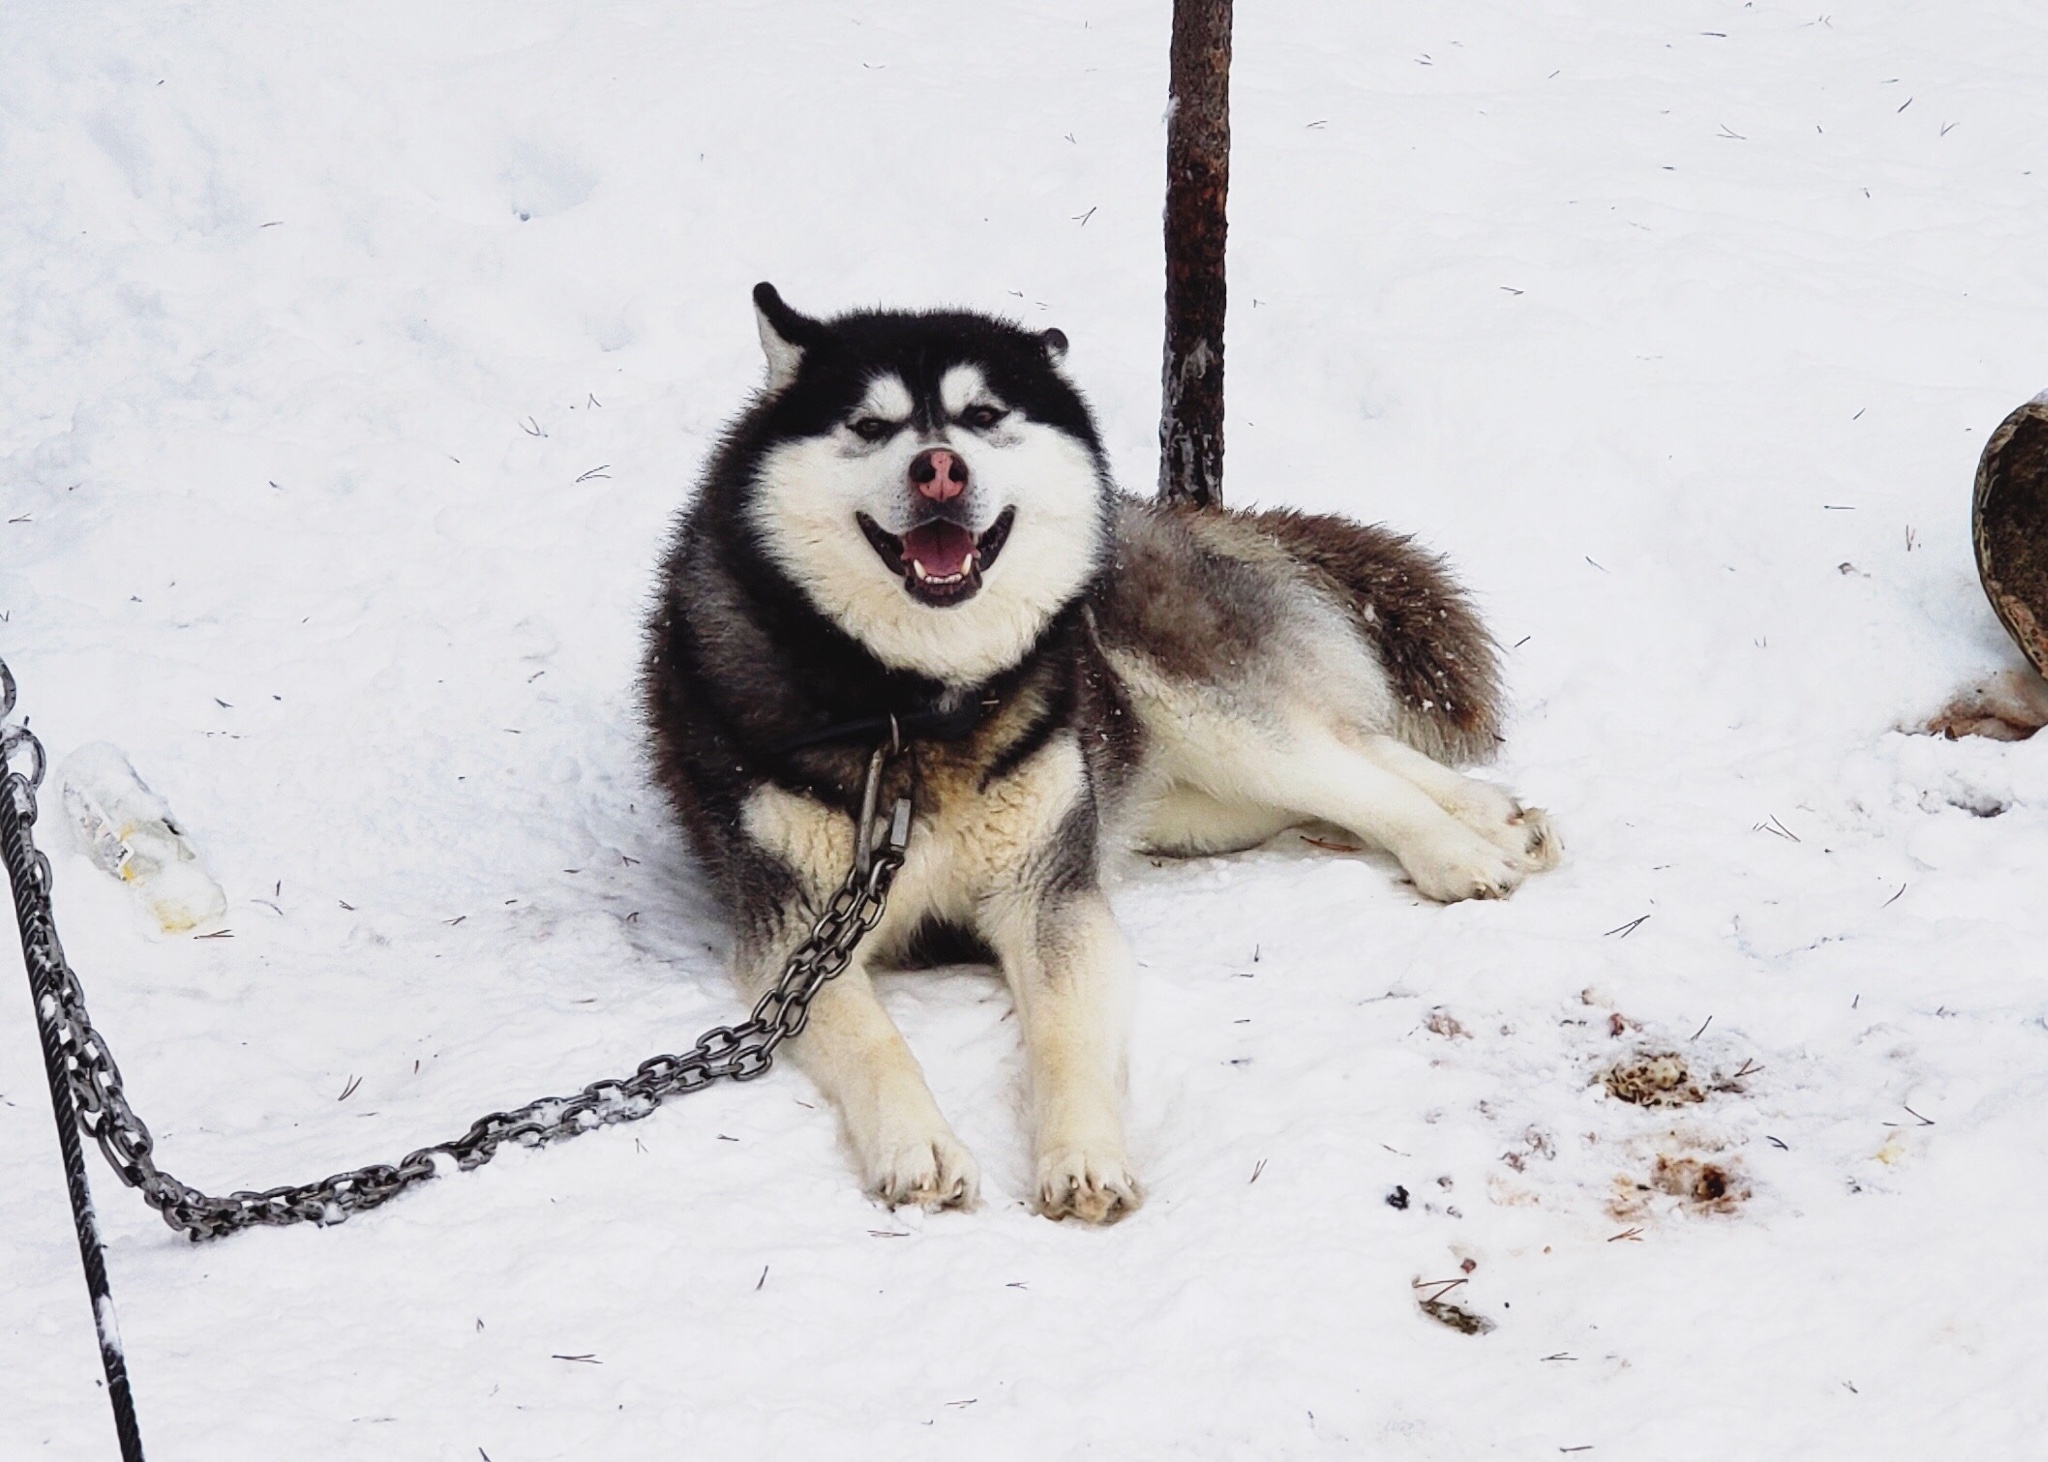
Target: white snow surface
355	359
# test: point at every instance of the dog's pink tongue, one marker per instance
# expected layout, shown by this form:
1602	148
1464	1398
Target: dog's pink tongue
941	549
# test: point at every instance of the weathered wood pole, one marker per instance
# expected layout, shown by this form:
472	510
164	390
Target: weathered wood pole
1197	190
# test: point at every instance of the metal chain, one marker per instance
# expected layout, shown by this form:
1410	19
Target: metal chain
20	854
738	1053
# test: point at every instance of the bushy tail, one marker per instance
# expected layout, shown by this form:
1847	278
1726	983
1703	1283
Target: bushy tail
1442	664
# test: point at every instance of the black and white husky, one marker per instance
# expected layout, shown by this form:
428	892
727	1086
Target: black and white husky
915	516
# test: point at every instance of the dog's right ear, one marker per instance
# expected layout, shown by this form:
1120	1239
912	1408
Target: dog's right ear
785	335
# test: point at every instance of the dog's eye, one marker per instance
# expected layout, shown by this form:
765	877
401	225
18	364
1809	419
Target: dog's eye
873	428
981	418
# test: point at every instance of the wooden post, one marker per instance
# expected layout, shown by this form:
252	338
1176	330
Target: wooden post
1197	190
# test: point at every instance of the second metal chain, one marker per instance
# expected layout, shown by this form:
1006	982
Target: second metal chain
738	1053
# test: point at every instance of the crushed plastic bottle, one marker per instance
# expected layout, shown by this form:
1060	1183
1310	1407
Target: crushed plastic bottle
128	830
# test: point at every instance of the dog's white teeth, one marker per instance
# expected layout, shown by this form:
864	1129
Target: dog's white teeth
926	576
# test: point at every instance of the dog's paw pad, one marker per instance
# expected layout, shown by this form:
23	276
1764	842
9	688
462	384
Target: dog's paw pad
932	1174
1095	1188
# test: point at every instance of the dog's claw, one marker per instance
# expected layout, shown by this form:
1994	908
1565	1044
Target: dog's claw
1542	848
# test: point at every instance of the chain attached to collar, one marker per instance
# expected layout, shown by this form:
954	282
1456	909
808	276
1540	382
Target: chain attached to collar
738	1053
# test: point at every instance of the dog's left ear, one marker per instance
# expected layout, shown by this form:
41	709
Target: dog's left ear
1055	344
785	335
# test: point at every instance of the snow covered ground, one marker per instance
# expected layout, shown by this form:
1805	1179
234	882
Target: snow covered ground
354	360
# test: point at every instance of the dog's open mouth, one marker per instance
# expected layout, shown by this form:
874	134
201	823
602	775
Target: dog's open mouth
940	561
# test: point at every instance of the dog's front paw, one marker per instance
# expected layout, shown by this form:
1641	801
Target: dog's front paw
1453	868
930	1169
1095	1187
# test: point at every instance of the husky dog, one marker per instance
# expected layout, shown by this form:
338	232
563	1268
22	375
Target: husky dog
914	517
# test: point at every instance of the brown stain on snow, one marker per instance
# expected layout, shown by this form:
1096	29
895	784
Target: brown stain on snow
1701	1186
1654	1079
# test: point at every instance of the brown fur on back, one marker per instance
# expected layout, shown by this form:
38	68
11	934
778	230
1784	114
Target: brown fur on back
1443	665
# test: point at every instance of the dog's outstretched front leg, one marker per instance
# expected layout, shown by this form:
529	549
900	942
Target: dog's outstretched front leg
851	1048
906	1149
1069	971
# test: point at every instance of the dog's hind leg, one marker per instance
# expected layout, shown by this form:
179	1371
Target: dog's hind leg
1069	970
1316	774
906	1149
1524	833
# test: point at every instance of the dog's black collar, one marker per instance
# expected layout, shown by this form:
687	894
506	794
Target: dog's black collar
936	723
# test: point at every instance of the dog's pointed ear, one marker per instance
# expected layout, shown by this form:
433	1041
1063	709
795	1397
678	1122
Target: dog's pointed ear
785	335
1055	344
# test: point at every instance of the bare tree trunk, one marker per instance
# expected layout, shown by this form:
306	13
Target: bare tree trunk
1197	189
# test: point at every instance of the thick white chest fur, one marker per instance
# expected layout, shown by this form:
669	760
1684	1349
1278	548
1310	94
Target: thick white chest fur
978	858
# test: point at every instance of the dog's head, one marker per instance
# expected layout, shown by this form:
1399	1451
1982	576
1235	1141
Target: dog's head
931	482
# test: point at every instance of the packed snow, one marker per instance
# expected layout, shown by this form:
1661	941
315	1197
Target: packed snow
355	359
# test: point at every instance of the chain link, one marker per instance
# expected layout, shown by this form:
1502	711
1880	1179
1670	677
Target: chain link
735	1053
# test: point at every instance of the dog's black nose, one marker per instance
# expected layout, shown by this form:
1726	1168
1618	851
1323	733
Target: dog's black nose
938	474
